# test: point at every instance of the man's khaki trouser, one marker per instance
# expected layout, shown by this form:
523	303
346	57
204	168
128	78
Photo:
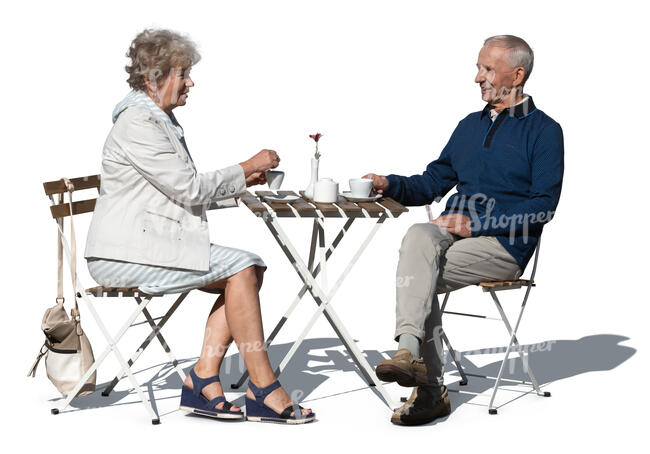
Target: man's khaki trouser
431	261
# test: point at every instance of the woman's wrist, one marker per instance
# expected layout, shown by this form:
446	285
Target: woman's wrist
249	169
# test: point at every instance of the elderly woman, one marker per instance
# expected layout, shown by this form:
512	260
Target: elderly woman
150	230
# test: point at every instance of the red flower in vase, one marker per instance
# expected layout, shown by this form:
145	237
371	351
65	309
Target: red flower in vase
316	138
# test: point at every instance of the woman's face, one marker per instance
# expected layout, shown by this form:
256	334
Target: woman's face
172	91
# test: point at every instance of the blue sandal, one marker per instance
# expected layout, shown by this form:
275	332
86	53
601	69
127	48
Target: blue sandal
194	402
258	412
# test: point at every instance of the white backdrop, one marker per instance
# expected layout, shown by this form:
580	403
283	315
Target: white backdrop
386	83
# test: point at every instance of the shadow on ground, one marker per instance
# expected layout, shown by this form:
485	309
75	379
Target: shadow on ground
550	360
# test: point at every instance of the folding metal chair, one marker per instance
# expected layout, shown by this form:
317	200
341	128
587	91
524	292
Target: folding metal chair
61	209
492	287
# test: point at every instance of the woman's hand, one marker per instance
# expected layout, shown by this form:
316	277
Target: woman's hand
255	178
379	183
261	162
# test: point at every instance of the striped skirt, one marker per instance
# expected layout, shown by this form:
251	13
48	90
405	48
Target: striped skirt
158	280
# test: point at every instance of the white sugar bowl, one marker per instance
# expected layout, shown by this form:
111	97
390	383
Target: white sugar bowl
326	190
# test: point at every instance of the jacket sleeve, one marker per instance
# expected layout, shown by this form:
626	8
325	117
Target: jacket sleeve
436	181
227	203
149	150
547	167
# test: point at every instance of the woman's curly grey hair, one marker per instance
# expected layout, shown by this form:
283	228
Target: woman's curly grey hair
154	53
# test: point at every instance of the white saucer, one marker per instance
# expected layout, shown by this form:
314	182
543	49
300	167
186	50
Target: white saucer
281	198
351	198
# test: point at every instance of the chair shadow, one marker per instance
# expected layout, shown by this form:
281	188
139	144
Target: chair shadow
550	360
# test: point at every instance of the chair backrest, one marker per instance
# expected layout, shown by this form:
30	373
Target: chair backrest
539	242
60	208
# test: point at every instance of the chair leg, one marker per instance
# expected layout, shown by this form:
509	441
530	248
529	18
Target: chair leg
444	302
112	346
165	345
515	342
154	333
491	409
463	377
513	333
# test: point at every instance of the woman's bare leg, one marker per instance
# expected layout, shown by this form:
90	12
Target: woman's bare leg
216	340
241	320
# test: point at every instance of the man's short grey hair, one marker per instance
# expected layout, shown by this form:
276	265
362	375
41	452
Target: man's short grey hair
519	52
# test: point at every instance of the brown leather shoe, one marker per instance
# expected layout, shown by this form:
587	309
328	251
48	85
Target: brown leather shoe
426	404
403	368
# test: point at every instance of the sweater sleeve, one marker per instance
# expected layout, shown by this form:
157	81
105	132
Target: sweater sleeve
547	167
436	181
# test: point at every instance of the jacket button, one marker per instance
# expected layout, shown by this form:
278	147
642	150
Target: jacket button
222	191
232	188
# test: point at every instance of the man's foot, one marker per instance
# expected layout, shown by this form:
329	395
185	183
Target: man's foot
403	368
210	391
278	400
426	404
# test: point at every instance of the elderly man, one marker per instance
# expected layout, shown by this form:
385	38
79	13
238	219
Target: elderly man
506	162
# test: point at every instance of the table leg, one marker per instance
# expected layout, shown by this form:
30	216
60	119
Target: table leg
303	290
323	302
321	247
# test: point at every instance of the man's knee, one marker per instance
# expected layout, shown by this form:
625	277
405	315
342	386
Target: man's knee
426	235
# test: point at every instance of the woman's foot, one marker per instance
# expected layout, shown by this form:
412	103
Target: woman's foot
277	401
210	391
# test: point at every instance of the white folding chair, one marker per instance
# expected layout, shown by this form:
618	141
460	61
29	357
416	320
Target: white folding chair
60	209
492	287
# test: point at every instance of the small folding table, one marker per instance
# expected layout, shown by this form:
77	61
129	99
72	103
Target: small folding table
270	212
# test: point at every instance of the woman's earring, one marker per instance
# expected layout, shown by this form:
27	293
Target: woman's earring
155	96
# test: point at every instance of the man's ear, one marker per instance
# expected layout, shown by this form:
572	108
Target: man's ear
519	73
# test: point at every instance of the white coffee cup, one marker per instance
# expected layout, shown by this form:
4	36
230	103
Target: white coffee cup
360	187
274	178
326	191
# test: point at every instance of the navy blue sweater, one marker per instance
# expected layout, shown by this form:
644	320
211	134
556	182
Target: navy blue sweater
508	175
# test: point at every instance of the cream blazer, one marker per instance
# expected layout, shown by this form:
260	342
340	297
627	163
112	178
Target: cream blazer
152	202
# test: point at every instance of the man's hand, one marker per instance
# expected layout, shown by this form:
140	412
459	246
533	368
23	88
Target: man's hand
379	183
458	224
255	178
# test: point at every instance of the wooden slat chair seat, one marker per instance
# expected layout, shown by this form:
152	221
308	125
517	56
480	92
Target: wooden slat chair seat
60	209
506	284
119	292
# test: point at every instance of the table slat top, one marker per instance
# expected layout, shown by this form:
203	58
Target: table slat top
392	205
253	203
278	207
304	207
301	205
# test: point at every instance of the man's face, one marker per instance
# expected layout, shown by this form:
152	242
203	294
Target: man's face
495	76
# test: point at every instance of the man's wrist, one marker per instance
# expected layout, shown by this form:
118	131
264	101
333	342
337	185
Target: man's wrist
385	182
